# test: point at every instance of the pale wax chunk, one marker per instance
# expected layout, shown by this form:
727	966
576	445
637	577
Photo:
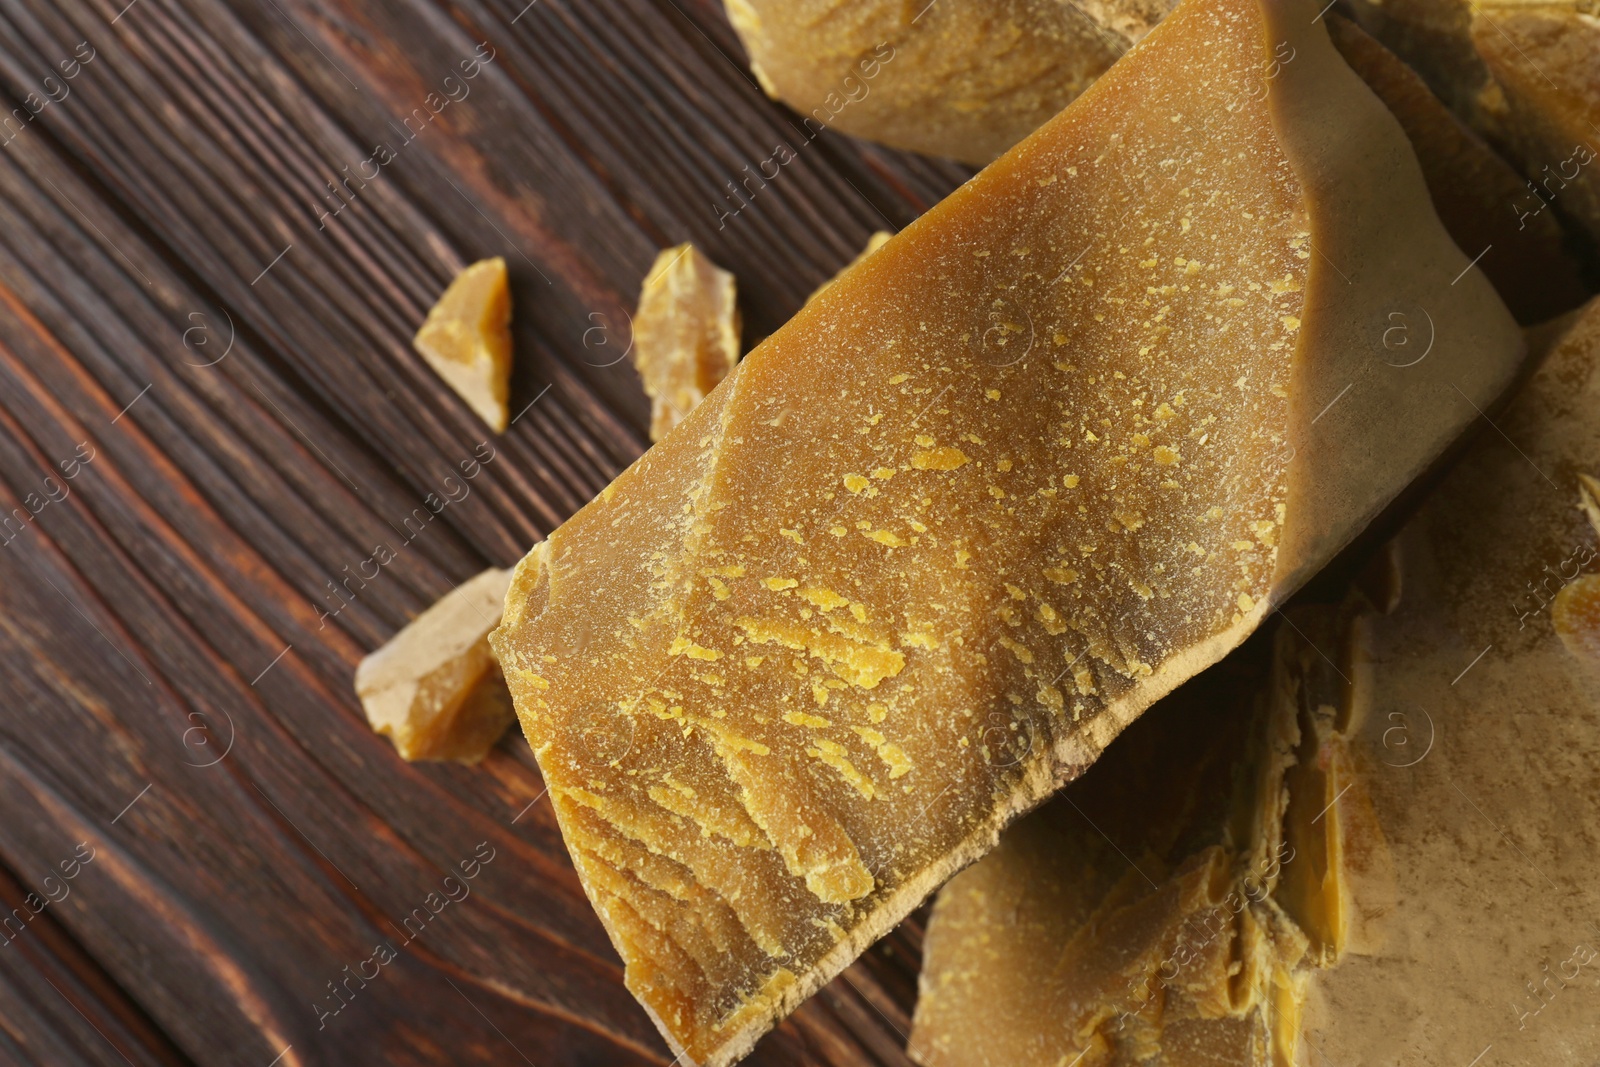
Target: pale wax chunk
686	334
1467	866
467	340
434	689
1056	447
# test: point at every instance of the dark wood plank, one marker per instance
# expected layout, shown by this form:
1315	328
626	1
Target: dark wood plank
62	1008
179	624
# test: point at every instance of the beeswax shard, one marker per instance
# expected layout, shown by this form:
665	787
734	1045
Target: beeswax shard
467	340
435	688
686	334
1419	776
1525	75
1575	612
961	78
1053	449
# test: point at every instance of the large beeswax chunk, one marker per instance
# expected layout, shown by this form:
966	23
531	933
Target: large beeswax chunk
1057	446
686	334
1430	771
467	340
875	242
434	687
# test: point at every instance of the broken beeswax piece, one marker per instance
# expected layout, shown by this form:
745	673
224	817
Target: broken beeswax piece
1575	612
1471	728
434	687
960	78
1424	767
1472	187
875	242
998	98
1525	75
1129	914
1546	63
1053	449
686	334
467	340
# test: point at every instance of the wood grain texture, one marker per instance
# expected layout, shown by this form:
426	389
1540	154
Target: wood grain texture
208	285
62	1008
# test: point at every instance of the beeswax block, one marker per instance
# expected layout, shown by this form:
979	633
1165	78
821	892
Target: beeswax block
1053	449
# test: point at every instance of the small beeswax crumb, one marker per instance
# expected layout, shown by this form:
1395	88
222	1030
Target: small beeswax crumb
467	340
938	459
685	335
1589	500
434	689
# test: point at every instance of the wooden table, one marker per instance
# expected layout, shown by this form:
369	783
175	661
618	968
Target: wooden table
220	223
